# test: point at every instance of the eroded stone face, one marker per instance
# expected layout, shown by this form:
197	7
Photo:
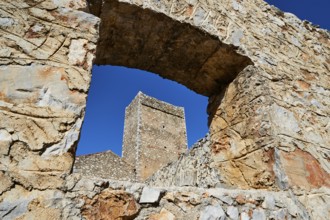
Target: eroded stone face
303	170
42	93
44	81
20	203
245	145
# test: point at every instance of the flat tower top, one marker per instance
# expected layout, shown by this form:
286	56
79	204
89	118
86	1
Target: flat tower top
157	104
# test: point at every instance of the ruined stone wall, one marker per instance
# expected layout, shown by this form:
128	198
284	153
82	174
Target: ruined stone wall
104	199
269	145
46	55
266	74
154	134
194	168
46	58
105	165
280	70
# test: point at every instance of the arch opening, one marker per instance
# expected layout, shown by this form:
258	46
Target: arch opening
112	90
134	37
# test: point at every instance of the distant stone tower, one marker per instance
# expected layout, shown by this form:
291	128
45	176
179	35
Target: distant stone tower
154	134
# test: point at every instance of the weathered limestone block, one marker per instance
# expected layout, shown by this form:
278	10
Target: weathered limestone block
149	195
46	58
44	79
266	146
242	145
19	203
111	204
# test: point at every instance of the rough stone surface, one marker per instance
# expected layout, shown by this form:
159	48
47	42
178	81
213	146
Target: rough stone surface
266	74
163	215
213	213
193	168
42	92
110	204
232	212
108	199
106	165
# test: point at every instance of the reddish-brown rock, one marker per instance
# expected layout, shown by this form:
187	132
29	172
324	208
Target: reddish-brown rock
110	205
303	170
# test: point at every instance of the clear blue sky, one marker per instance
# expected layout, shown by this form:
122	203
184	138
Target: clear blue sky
113	88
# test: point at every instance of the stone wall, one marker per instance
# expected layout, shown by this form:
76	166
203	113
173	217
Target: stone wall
46	55
194	168
130	139
255	76
106	199
266	74
107	165
46	58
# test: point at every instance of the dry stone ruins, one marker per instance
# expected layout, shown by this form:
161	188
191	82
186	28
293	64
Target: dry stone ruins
154	135
266	74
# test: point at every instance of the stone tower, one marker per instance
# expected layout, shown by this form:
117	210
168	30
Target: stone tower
154	134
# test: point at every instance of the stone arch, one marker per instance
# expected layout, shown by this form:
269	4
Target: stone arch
138	37
141	38
198	45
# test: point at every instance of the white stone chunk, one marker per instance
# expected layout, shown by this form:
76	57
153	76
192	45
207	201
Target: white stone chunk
227	199
232	212
6	22
213	213
245	216
149	195
77	51
269	202
259	214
